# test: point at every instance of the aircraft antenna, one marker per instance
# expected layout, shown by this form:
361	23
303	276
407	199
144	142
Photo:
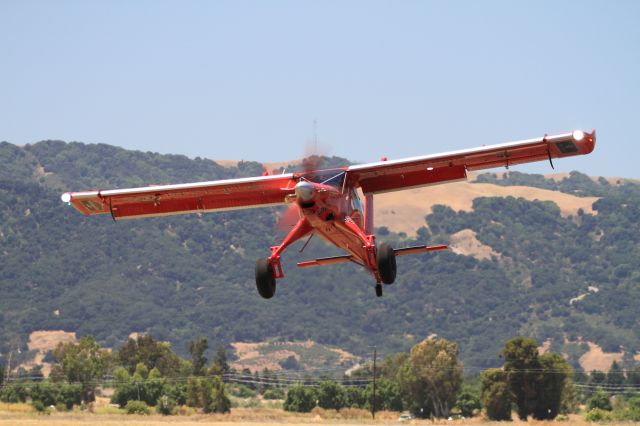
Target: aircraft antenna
315	136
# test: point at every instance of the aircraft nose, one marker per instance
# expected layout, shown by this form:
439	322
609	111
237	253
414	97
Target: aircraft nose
304	191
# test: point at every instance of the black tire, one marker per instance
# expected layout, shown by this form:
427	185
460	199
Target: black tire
379	290
265	281
386	259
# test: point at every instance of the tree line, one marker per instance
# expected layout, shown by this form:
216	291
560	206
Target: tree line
146	374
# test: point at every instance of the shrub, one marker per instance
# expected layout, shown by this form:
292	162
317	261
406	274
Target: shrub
184	410
137	407
355	397
40	407
242	391
598	415
629	410
468	401
220	402
46	392
165	405
273	394
600	400
209	394
13	393
70	395
300	399
496	397
331	395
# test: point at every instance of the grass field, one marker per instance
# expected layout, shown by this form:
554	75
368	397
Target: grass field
23	414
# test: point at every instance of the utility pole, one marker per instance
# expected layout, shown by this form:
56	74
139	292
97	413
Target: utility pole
373	394
8	372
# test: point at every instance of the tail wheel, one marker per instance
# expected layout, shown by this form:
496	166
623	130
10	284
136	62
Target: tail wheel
386	259
265	281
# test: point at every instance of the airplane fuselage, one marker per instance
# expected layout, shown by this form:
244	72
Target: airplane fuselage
335	214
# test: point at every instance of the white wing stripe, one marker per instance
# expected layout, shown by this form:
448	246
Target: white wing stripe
461	152
196	185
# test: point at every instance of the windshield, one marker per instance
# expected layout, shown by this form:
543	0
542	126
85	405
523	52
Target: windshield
356	204
332	178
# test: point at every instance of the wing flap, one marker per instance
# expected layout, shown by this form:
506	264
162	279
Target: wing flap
395	175
163	200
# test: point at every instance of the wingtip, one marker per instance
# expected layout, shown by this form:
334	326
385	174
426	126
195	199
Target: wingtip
590	141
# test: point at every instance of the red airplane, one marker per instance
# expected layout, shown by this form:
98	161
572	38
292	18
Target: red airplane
326	202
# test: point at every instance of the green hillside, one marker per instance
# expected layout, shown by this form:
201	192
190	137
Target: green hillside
185	276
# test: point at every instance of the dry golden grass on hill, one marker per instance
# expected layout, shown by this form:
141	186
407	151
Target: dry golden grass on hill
43	341
257	356
597	359
466	243
405	211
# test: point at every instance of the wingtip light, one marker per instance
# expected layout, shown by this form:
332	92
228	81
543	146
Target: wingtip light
66	198
578	135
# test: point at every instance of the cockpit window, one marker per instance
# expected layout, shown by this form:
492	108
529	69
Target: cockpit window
331	178
356	204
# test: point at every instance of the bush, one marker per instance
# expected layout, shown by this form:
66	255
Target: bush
14	393
291	363
629	410
40	407
242	391
495	395
273	394
70	395
165	405
208	393
355	397
137	407
61	407
598	415
468	401
331	395
46	392
220	402
300	399
600	400
184	410
144	385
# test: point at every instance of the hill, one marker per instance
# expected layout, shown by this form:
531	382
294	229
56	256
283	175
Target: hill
185	276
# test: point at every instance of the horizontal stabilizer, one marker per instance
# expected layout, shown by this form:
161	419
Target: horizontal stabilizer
325	261
419	249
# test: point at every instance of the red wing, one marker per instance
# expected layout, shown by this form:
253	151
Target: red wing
163	200
432	169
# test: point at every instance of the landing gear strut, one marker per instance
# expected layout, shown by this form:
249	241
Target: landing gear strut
379	290
265	280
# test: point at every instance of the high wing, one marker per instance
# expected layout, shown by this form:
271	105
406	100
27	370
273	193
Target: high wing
394	175
164	200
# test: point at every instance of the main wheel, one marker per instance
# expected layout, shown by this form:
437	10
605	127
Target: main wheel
265	281
386	259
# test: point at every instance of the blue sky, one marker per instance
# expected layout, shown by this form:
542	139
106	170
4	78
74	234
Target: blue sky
246	79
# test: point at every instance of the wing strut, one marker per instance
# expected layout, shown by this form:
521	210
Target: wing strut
111	210
544	139
419	249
